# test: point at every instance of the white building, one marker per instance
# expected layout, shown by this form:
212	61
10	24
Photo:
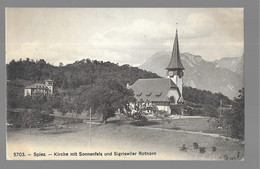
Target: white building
49	84
166	92
45	89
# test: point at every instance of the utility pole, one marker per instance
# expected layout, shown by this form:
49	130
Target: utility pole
90	127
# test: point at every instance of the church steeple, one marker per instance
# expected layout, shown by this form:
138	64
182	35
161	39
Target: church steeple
175	67
175	62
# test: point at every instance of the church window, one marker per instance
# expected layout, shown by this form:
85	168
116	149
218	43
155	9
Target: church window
172	99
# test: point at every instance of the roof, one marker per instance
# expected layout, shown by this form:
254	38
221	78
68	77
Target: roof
36	86
48	80
154	89
175	62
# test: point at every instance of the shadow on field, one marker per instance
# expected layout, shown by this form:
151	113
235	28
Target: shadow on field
148	123
59	132
113	122
133	123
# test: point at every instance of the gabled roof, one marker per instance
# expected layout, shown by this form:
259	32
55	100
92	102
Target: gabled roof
36	86
154	89
48	80
175	62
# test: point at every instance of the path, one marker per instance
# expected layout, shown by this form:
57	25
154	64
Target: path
193	132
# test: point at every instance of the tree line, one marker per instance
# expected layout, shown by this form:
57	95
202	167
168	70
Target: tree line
72	76
87	72
102	86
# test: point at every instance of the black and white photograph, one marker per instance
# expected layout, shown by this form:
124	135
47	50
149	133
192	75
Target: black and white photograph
125	84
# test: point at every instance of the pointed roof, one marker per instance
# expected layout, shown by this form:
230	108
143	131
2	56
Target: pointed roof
175	62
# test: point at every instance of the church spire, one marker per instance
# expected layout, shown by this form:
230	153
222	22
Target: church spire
175	62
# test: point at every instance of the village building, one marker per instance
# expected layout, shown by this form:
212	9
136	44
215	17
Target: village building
165	93
45	88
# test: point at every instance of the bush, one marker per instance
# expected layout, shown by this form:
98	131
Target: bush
31	118
214	148
195	145
141	120
202	150
196	112
28	118
176	109
183	148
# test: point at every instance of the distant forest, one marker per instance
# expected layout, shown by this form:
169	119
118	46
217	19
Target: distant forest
87	72
72	76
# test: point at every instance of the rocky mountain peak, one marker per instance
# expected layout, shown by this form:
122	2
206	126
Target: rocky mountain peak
224	75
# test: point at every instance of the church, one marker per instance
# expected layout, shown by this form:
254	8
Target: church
165	93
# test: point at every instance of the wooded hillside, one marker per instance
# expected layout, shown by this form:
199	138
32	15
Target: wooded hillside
71	76
86	72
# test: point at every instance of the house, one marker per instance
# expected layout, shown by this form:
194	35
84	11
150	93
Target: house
165	93
45	89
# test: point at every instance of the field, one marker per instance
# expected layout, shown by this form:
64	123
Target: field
199	124
119	137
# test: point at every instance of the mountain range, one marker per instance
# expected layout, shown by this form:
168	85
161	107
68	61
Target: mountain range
224	75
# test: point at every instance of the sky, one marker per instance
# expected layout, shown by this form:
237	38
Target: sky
121	35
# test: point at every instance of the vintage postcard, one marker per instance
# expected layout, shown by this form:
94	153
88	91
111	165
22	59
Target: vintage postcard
125	84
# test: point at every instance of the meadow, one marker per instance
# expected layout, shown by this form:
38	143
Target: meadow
121	137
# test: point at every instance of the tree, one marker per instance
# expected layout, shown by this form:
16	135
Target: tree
234	121
105	97
30	118
238	115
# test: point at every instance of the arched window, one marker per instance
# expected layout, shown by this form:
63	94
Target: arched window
172	99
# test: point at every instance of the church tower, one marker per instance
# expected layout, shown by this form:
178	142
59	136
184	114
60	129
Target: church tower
175	67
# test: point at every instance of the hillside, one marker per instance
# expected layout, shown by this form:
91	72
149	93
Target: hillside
72	76
224	75
68	79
